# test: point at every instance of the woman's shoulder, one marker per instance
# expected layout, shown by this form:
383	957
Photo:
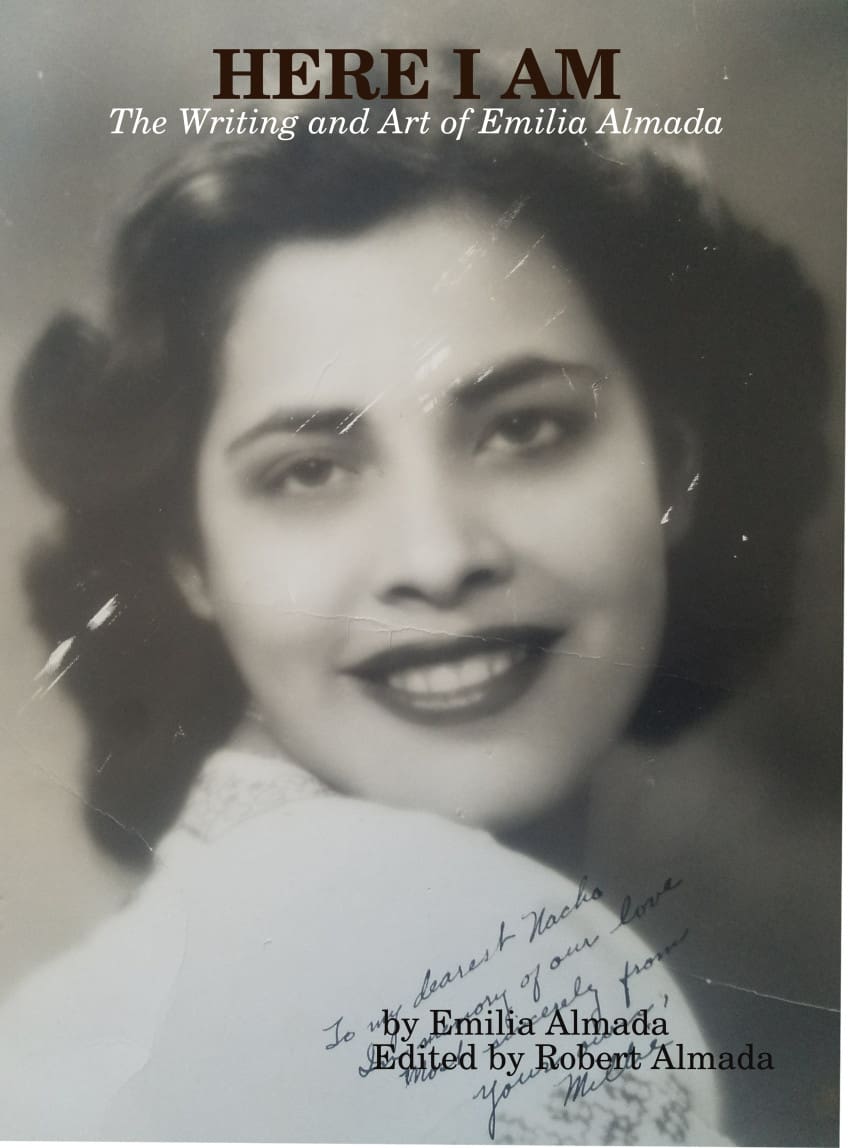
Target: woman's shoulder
286	932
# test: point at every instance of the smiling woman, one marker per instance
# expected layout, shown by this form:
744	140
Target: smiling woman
452	443
487	387
392	459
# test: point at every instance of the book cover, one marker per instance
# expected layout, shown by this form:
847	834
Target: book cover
422	576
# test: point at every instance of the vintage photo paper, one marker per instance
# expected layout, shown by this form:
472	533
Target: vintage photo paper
422	566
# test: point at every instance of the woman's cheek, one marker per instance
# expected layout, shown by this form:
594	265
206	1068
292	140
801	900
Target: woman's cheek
584	526
309	560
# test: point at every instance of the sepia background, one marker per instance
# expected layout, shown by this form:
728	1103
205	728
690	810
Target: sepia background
754	794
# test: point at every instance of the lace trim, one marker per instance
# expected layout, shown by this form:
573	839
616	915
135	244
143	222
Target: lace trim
235	785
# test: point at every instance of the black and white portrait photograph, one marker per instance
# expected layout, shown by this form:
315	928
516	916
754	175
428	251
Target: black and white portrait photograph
422	571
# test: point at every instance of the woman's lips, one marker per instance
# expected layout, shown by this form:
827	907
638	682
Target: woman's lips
458	679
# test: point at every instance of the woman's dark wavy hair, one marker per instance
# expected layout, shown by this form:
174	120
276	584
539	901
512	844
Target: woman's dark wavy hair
717	322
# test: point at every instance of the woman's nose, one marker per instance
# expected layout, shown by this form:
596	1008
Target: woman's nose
440	548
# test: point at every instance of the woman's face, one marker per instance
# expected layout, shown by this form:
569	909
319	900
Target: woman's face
430	518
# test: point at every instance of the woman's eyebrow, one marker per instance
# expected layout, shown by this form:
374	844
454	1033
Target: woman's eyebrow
470	392
329	421
518	372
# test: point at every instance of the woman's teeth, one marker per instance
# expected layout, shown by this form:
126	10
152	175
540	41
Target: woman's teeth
465	680
455	682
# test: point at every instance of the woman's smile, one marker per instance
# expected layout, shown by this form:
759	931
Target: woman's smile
429	514
458	679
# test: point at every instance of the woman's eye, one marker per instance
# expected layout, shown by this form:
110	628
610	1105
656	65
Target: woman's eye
526	431
303	476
